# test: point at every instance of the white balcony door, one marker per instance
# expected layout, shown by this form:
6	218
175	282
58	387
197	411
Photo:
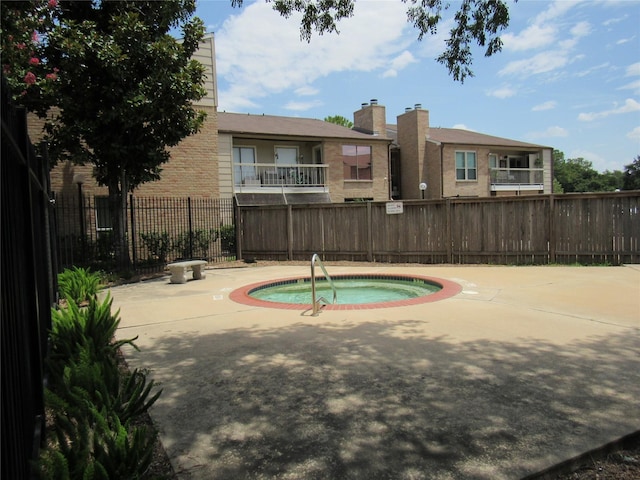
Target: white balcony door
286	155
244	159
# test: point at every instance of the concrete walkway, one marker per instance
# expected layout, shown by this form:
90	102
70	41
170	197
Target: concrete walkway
525	368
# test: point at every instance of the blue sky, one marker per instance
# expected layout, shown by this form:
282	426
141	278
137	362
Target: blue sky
568	76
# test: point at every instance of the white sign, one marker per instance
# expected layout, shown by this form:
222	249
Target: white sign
394	208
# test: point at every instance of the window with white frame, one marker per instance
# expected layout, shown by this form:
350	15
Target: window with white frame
466	168
356	161
244	168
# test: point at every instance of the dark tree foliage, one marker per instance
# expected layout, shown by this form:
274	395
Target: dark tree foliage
631	176
578	175
476	21
121	86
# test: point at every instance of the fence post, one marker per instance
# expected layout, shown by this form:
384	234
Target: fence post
134	254
369	234
448	227
237	222
552	229
289	232
190	227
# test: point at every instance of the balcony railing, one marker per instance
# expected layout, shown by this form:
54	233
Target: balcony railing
267	176
514	178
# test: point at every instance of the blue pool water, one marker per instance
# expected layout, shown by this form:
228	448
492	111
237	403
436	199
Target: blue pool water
351	291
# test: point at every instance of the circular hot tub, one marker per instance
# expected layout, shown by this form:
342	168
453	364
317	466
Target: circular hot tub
360	291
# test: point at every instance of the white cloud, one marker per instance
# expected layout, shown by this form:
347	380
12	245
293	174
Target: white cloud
589	71
503	92
399	63
630	105
555	10
540	63
302	106
634	134
306	91
534	36
259	53
622	41
462	126
635	86
633	70
549	105
612	21
581	29
546	30
551	132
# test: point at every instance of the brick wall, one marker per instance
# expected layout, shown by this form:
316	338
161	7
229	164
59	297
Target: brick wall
413	128
191	171
340	190
371	119
469	188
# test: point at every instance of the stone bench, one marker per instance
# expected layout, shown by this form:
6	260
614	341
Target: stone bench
179	270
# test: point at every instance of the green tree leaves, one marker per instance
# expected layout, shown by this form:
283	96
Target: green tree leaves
339	120
578	175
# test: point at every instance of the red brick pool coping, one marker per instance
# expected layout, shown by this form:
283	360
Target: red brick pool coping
449	289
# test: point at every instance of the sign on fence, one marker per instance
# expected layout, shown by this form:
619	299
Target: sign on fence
394	208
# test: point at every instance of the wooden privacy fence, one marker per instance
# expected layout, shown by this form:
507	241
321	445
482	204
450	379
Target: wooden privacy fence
542	229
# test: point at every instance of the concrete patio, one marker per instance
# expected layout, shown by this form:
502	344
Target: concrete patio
525	368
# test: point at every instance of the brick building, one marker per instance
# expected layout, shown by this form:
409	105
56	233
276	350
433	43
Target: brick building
261	159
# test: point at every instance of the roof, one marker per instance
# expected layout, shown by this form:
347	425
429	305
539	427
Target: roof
465	137
242	123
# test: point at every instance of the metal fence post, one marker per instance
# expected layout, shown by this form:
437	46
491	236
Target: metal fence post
134	254
190	227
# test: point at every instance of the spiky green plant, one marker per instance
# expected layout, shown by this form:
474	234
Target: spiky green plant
80	284
92	400
94	328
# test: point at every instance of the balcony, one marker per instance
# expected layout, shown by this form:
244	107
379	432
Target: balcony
509	179
279	178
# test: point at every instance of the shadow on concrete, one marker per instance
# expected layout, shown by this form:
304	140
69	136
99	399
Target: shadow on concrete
381	400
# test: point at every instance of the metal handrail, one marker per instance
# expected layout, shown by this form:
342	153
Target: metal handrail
313	284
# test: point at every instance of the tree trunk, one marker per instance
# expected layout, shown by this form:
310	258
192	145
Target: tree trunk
118	209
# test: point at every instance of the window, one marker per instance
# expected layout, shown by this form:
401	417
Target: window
244	159
103	214
493	160
356	161
466	166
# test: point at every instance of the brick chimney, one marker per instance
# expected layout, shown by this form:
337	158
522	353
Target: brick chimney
413	130
371	119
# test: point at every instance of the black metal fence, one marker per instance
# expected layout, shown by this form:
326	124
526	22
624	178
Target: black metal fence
159	230
28	291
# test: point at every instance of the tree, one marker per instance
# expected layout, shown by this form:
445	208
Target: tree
578	175
631	180
124	89
339	120
476	21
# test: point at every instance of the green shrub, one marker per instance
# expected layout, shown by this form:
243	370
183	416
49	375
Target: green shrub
201	240
158	245
79	284
228	238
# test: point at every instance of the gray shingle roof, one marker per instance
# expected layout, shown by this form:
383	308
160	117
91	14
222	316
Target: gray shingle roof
466	137
242	123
